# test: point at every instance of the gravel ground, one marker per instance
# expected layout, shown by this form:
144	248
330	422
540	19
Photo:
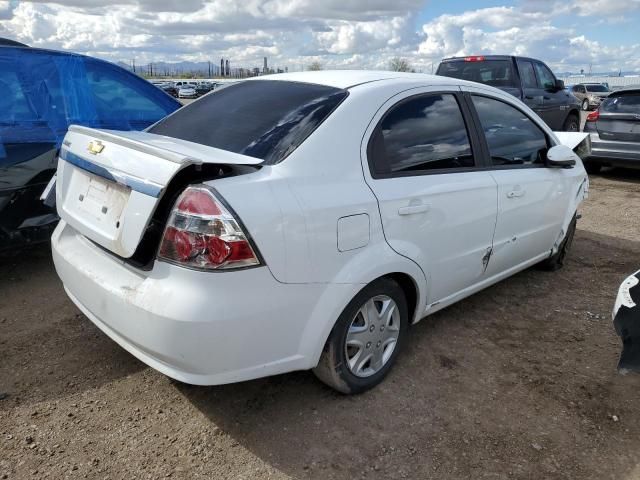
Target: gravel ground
518	381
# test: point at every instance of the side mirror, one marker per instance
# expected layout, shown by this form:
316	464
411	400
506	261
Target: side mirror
560	156
559	85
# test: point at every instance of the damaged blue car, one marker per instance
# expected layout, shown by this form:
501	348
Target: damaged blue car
42	92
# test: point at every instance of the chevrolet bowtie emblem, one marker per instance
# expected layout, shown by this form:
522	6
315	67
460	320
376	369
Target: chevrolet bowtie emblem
95	147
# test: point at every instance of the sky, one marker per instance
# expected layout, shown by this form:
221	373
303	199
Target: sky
570	35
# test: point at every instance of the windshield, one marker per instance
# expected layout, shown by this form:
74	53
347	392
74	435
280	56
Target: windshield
628	103
265	119
597	88
497	73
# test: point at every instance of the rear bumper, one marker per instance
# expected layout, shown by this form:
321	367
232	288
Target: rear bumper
202	328
624	154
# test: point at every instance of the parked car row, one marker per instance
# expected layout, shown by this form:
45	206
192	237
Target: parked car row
383	198
185	89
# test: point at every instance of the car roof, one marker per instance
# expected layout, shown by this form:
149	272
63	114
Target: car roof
625	90
345	79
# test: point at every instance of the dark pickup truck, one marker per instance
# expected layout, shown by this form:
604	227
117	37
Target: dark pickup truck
528	79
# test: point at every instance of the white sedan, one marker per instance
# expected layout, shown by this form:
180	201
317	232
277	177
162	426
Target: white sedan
187	91
305	221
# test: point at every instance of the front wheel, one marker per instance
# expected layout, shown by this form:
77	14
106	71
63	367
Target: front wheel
556	261
572	123
366	339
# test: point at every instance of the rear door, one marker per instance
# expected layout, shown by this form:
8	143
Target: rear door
437	207
619	118
532	199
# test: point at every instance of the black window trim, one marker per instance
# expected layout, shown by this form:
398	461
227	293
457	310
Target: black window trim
472	134
486	155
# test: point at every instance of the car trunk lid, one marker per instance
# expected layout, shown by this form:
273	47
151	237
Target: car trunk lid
110	183
620	127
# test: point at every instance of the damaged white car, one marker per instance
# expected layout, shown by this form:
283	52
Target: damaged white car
305	221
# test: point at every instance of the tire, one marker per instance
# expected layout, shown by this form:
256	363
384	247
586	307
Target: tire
342	366
592	168
556	261
572	123
585	105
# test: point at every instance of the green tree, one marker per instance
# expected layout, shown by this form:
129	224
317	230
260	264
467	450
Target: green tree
315	66
398	64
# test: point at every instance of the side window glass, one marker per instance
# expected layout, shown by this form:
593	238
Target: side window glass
122	101
527	74
512	137
421	134
547	80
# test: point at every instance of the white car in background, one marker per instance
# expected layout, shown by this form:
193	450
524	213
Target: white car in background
187	91
304	221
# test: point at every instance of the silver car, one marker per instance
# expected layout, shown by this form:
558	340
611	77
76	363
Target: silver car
614	130
590	94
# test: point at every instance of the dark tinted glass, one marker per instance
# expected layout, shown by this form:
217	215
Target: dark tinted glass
527	74
597	88
265	119
497	73
629	103
545	77
424	133
512	137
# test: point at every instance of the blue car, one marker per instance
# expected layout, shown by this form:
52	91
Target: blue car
42	92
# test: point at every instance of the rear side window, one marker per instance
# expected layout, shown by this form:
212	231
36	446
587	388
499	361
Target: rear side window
265	119
497	73
512	137
527	74
628	103
421	134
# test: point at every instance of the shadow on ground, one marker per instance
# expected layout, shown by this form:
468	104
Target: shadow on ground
518	380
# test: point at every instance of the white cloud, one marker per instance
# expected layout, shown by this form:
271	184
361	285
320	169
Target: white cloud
337	33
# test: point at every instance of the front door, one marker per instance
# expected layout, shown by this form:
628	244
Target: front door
532	199
437	208
556	102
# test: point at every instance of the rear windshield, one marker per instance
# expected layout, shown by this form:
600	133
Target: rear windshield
628	103
265	119
497	73
597	88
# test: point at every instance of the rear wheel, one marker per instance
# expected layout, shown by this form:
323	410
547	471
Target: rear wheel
572	123
366	339
556	261
585	105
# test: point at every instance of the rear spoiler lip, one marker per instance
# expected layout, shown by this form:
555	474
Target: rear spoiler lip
167	148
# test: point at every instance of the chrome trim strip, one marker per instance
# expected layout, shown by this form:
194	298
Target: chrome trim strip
146	188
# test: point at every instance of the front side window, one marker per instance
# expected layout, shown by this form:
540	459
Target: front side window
421	134
527	74
512	137
547	80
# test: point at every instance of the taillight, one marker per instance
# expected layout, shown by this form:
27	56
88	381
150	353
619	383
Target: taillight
202	233
593	116
474	58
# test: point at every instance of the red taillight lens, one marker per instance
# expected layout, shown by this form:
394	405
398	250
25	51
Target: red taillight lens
474	58
202	233
593	116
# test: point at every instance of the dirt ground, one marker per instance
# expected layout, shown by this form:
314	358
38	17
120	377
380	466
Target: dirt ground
518	381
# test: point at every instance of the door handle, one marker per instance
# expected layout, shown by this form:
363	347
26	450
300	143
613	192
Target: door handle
413	209
515	194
